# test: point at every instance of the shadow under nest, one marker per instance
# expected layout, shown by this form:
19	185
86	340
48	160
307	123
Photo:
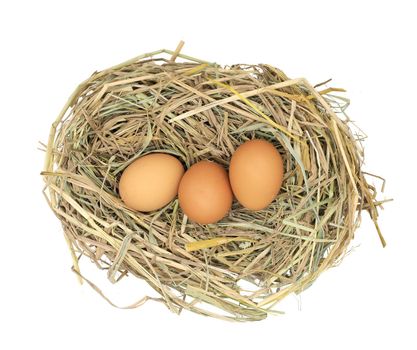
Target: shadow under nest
198	110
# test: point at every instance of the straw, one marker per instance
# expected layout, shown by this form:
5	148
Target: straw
165	101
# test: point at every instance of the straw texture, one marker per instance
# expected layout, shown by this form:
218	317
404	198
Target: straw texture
168	102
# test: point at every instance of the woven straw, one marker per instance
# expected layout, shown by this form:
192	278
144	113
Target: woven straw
242	266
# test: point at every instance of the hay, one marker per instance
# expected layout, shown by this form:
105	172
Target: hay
242	266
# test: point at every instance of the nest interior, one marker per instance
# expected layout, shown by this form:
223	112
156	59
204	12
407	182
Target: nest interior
168	102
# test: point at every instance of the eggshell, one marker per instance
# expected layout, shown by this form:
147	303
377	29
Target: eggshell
204	193
256	172
151	182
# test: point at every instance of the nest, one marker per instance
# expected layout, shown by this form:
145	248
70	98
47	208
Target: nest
164	101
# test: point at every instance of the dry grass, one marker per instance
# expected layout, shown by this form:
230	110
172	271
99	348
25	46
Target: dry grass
197	110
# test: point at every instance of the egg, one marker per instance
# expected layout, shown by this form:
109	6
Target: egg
204	194
256	172
150	182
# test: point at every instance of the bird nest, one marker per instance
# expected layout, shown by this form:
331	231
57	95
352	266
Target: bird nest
164	101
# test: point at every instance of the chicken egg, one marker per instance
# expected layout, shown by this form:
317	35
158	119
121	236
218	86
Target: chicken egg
256	172
150	182
204	193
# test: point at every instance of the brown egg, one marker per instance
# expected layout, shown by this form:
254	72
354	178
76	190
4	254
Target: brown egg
256	172
204	193
151	182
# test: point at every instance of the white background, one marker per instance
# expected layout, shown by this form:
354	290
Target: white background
48	47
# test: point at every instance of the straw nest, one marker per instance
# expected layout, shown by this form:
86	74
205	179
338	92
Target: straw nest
165	101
